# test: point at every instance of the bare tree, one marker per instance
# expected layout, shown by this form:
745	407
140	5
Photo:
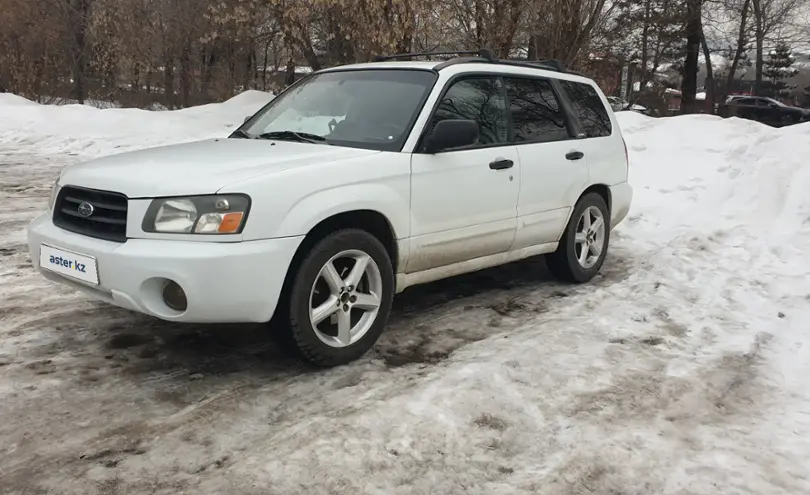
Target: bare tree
694	33
564	29
178	53
741	45
650	35
769	17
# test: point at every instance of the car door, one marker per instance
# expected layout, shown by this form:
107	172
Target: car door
464	201
772	112
553	168
746	108
761	110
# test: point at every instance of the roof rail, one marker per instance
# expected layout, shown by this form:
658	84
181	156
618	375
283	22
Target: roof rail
463	60
483	53
547	64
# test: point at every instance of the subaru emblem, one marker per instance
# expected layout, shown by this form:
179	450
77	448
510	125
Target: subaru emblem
86	209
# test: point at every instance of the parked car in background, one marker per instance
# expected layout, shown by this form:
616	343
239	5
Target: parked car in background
763	109
619	105
731	98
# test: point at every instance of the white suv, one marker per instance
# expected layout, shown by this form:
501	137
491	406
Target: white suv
353	184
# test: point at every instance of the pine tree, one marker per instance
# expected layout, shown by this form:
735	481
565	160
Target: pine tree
778	68
651	34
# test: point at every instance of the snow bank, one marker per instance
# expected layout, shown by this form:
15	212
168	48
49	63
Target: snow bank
88	131
704	172
8	99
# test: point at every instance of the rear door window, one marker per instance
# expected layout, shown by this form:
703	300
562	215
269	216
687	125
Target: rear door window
535	111
588	107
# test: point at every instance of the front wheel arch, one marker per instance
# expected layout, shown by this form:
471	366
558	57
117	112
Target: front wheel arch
299	334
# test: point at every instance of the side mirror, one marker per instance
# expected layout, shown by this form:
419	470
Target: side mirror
450	134
246	119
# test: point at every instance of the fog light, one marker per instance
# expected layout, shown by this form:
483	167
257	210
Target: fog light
174	297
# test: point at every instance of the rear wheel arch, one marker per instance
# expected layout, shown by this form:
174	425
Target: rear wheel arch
600	189
566	263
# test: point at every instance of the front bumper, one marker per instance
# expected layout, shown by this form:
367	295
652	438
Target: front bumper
223	282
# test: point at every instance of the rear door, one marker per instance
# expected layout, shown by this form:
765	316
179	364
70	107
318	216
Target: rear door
553	167
603	147
770	112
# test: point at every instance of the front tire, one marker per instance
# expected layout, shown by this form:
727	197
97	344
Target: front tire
584	244
341	298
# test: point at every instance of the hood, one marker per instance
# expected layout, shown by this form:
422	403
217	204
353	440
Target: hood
799	109
201	167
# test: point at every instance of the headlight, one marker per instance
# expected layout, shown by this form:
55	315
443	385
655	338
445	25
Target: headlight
215	214
54	194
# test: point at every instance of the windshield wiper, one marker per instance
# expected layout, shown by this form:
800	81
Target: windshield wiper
239	133
301	137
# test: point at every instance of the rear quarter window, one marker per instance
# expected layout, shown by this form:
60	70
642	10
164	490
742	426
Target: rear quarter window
588	107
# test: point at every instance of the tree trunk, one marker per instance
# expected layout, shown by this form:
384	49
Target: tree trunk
264	65
168	83
709	73
185	76
209	59
479	23
231	68
645	33
735	61
690	69
311	57
135	83
759	35
509	29
79	11
532	52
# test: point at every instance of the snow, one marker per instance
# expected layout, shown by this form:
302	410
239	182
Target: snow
89	131
682	369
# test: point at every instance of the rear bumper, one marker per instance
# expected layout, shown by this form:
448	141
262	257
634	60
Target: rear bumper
621	195
223	282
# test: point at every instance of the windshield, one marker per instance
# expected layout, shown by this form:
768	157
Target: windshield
775	102
372	109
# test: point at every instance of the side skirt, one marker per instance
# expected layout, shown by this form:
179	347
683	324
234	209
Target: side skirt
405	280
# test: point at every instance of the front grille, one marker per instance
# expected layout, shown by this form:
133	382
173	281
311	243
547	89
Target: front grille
104	218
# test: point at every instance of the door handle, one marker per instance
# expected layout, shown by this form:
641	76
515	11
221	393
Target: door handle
501	164
574	155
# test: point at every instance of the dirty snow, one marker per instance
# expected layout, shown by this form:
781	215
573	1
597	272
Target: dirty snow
681	370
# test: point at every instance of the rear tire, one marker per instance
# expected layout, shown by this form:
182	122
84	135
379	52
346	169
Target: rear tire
588	230
340	299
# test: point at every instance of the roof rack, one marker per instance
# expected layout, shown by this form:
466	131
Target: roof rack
548	64
483	53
